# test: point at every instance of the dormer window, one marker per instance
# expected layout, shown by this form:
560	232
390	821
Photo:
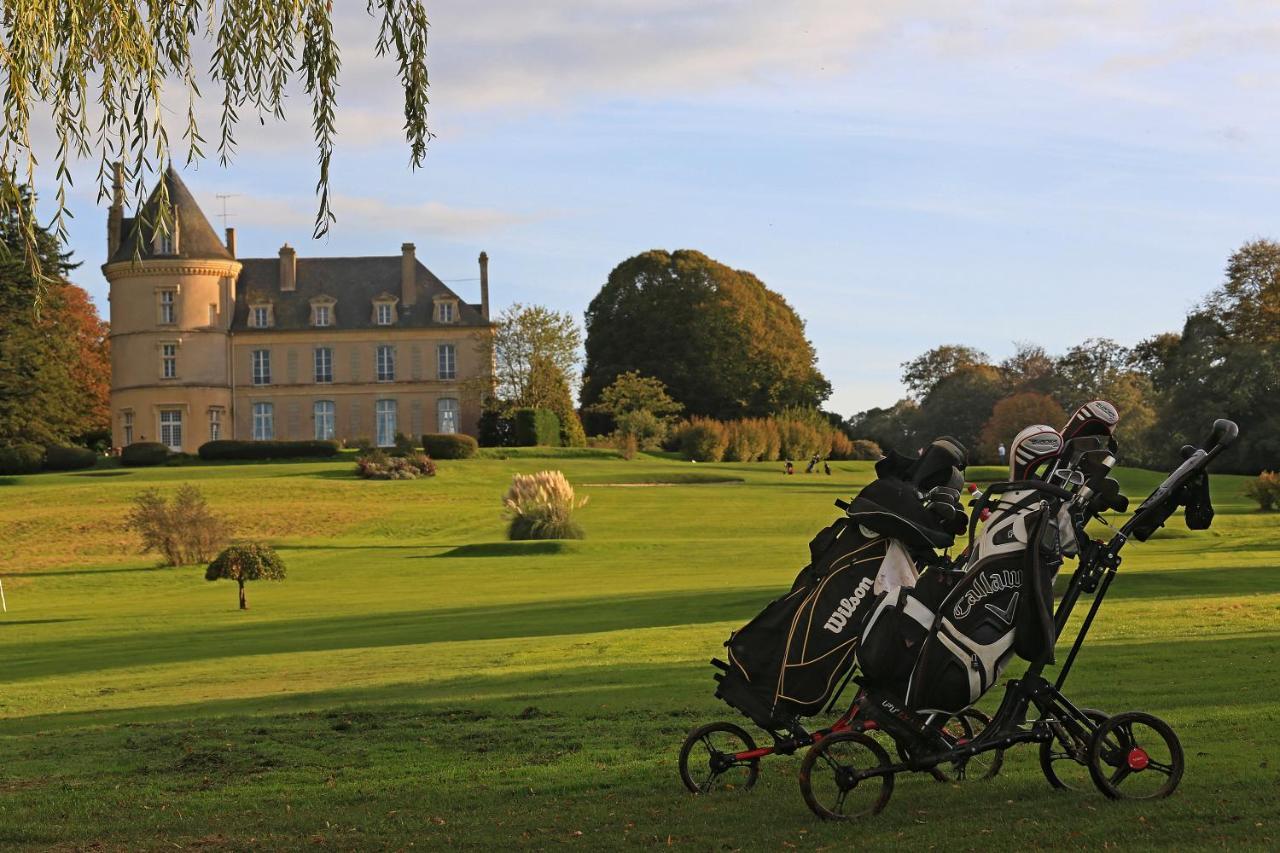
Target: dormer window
261	315
446	310
384	310
165	238
322	311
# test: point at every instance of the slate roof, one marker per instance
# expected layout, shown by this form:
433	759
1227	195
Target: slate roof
354	283
196	238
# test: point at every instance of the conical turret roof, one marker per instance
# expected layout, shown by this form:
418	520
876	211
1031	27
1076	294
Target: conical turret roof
196	238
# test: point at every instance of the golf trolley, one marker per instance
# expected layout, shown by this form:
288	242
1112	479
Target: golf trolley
847	773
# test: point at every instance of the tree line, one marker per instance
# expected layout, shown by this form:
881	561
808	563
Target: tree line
1225	362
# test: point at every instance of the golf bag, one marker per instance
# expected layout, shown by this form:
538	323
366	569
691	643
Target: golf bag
941	645
790	660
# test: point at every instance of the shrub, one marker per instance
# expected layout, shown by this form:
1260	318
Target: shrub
865	449
1265	490
183	532
496	429
144	453
801	440
59	458
703	440
645	427
364	445
841	446
626	445
454	445
251	561
377	465
772	441
21	459
540	506
403	445
536	427
737	446
226	449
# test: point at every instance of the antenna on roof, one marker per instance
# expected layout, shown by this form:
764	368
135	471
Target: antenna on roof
224	214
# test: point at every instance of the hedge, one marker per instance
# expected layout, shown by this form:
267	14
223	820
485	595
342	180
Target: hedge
21	459
231	449
455	445
58	458
537	427
143	453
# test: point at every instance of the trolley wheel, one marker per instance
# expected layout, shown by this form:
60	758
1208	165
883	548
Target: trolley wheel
707	763
1065	768
967	725
1136	756
826	777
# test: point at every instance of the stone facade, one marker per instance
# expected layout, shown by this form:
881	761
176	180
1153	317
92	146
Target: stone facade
205	345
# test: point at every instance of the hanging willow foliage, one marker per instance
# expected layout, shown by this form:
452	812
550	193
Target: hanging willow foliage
117	56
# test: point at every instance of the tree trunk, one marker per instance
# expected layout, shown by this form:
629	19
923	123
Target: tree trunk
243	604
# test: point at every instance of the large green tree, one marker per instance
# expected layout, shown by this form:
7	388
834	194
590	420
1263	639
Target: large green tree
924	372
53	369
1226	362
725	345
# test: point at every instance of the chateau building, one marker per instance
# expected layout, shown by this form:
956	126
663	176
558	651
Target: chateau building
206	345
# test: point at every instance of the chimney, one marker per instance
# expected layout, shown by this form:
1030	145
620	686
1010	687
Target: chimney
408	275
231	241
288	268
115	218
484	285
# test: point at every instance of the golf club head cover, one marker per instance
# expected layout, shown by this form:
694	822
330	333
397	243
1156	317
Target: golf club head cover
1097	417
1034	446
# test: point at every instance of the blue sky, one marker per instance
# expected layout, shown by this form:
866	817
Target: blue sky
904	174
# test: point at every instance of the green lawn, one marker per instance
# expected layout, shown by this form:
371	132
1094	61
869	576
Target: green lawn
419	681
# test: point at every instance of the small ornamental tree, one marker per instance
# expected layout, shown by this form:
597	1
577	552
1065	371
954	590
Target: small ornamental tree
251	561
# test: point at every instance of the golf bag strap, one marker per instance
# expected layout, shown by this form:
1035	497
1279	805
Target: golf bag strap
1047	627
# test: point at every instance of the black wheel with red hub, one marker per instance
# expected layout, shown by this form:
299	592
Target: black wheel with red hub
1135	756
1065	764
709	762
832	778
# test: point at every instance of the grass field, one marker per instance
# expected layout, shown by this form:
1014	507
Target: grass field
418	681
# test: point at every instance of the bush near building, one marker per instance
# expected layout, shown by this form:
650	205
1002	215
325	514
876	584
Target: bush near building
228	449
536	427
142	454
379	465
59	458
449	445
21	459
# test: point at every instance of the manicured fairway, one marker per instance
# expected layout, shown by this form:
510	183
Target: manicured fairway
419	681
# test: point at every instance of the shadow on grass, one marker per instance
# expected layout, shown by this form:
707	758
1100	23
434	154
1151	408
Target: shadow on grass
4	621
54	573
505	549
110	472
9	481
509	621
1241	668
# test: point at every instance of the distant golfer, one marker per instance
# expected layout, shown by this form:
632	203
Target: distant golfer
790	469
1001	451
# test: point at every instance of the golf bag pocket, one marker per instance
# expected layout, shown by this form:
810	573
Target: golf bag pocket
892	638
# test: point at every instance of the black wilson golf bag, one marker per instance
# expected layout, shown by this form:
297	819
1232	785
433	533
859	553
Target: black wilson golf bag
791	659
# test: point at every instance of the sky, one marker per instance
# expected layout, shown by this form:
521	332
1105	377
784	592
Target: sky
905	174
